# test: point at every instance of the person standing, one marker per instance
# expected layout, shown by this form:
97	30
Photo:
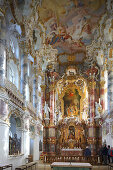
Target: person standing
87	153
101	154
105	154
112	154
109	153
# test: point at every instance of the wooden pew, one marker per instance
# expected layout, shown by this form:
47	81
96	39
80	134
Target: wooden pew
5	166
27	166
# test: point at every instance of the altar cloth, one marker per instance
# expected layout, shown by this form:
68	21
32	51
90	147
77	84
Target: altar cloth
71	166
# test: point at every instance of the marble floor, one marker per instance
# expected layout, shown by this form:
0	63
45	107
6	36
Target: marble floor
41	166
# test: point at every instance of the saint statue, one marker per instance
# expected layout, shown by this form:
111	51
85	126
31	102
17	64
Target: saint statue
46	110
97	113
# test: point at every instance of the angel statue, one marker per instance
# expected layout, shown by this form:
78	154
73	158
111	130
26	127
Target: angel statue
97	108
46	110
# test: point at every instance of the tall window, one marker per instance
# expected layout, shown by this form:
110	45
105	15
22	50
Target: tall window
13	73
15	136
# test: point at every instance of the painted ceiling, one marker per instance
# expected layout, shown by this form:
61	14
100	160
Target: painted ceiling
71	24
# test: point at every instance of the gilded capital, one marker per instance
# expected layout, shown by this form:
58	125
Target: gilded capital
43	87
102	83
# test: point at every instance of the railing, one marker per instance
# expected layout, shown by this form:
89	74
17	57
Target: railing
10	86
94	160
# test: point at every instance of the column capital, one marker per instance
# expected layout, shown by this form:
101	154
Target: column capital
102	82
92	84
43	87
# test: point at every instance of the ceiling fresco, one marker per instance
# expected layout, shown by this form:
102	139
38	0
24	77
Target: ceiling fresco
71	24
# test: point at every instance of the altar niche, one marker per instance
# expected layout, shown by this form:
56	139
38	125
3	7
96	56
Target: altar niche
71	103
71	135
71	132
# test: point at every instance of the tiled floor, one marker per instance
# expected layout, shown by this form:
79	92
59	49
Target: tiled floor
41	166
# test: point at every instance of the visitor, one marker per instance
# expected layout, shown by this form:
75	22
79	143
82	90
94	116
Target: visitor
109	153
112	154
105	154
87	153
100	154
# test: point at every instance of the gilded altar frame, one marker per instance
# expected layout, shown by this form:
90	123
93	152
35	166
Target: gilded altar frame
72	84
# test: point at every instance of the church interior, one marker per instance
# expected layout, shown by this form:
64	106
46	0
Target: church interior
56	79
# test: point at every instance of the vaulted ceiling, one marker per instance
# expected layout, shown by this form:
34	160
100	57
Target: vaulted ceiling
69	26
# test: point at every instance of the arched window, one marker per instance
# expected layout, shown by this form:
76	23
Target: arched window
13	74
15	135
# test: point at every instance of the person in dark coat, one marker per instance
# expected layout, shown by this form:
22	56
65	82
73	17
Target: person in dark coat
112	154
109	153
87	153
105	154
101	154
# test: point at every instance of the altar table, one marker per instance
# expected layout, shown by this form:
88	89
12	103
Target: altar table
72	152
71	166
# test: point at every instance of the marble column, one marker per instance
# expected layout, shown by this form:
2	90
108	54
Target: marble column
24	69
53	79
36	92
36	148
51	104
92	84
110	88
3	46
4	141
91	140
102	90
2	64
43	87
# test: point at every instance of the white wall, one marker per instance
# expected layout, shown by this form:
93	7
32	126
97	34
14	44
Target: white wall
5	158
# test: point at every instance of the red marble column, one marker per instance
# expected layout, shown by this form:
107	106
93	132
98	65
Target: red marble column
92	84
52	104
92	127
102	90
43	87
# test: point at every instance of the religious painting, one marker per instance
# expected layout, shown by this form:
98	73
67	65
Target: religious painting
72	103
40	145
52	148
71	132
51	132
18	122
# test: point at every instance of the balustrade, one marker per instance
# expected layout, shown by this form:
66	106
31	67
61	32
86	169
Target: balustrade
94	160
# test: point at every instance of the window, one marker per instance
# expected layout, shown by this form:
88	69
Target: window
15	135
13	73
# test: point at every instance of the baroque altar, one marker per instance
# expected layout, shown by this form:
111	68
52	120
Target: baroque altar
71	124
